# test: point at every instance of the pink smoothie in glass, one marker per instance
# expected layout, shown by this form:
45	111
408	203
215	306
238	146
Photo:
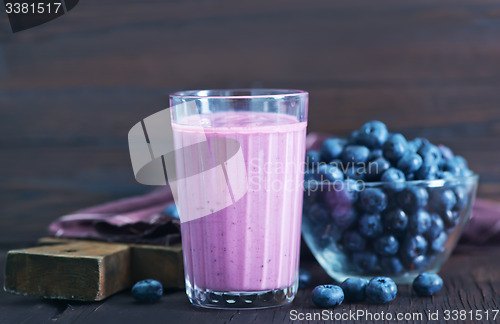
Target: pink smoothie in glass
252	245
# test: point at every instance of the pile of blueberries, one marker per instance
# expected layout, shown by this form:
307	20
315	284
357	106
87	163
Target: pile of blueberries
359	198
378	290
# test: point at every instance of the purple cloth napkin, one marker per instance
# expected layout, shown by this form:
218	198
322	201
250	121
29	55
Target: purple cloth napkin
137	219
140	219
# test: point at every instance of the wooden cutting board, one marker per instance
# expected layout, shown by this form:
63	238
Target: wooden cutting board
89	270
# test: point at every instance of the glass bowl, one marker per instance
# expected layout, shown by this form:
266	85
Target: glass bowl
399	229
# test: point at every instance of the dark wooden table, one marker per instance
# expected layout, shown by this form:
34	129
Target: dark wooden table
70	91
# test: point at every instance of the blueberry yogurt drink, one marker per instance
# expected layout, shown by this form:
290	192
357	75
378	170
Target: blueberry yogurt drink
378	204
244	254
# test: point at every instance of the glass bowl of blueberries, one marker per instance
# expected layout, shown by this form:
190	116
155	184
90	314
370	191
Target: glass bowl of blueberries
377	204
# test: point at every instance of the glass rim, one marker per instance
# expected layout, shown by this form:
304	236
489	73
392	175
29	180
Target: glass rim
427	183
270	93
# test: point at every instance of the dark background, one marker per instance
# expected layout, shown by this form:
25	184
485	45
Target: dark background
71	89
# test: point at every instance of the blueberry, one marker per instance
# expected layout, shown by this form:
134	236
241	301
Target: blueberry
435	229
394	148
417	263
319	214
446	153
172	210
414	246
376	168
370	225
353	241
409	163
427	172
332	148
442	200
391	265
460	197
365	261
386	245
445	175
325	296
419	222
427	284
412	198
312	158
339	200
355	172
328	172
430	154
375	154
450	218
372	134
415	144
354	289
395	221
452	167
461	161
148	291
355	154
372	200
381	290
437	245
304	278
353	138
393	175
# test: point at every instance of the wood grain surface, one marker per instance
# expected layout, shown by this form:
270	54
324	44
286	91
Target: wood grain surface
71	89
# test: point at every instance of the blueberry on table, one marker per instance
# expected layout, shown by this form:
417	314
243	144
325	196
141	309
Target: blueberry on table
304	278
436	227
353	241
381	290
412	198
386	245
409	163
172	210
325	296
364	261
329	173
372	200
370	225
391	265
395	147
312	158
442	200
372	134
148	291
393	175
355	154
427	284
419	222
395	221
354	289
376	168
332	148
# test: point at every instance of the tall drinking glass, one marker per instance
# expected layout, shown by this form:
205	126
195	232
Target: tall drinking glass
239	156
